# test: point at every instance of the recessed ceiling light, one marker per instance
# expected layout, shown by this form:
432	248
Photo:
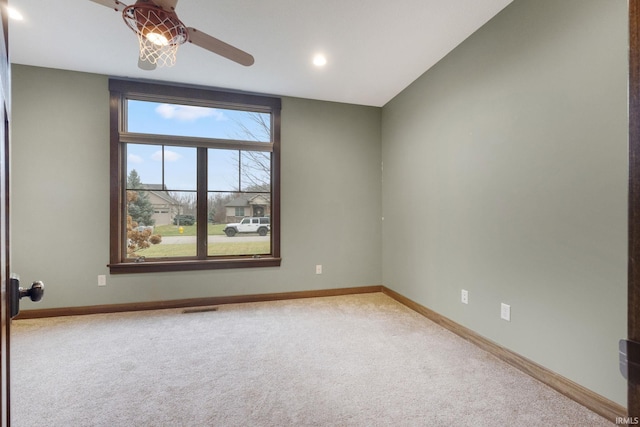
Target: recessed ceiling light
14	14
319	60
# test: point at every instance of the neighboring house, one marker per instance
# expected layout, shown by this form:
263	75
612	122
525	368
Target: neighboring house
165	207
242	206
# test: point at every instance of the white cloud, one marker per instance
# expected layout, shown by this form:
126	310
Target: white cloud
169	156
188	113
134	158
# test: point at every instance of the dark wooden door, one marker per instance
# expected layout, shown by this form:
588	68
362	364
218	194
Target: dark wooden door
4	216
633	308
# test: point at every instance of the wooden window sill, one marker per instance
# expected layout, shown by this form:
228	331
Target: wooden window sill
187	265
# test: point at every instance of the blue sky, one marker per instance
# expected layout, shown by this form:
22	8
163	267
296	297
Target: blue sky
180	162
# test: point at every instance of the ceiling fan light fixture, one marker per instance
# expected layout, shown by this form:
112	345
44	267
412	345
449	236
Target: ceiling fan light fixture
159	32
157	38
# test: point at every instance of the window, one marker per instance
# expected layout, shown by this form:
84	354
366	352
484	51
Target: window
186	162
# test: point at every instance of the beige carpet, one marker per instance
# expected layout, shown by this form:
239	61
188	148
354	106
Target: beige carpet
361	360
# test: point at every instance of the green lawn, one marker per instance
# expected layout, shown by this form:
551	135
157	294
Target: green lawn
217	249
189	249
188	230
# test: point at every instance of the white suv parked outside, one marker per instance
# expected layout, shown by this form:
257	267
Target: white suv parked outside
260	225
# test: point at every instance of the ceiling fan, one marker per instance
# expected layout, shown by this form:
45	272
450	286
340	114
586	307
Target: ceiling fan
160	32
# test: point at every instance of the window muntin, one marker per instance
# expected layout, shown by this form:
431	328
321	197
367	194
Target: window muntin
192	175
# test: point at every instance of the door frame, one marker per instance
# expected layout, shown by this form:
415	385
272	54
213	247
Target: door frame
633	296
5	319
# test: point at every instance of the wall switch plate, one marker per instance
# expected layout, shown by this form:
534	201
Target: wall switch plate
102	280
505	312
318	269
464	296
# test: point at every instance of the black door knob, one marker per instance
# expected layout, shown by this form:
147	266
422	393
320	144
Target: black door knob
34	293
16	293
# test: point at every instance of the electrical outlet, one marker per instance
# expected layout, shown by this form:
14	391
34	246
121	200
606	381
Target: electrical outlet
318	269
505	312
102	280
464	296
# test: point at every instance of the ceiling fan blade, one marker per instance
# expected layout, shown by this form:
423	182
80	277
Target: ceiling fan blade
146	65
169	5
111	4
215	45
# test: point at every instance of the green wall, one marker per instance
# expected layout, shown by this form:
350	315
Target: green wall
331	199
505	174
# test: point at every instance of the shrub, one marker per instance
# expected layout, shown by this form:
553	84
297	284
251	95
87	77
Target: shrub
184	220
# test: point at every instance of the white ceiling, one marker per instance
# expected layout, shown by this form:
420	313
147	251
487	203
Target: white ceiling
375	48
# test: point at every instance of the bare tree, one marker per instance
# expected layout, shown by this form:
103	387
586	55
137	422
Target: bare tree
217	206
255	166
186	201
